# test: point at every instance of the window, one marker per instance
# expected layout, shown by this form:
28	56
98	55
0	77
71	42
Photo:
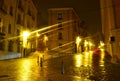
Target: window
1	3
10	46
9	28
33	17
59	16
19	19
3	7
59	35
18	32
19	4
3	29
1	23
29	12
2	45
0	20
59	25
11	11
19	42
18	48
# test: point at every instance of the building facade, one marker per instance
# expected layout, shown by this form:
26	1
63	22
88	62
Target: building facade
16	16
110	11
64	28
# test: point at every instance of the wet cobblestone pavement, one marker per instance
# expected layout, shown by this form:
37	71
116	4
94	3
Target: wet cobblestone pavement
65	68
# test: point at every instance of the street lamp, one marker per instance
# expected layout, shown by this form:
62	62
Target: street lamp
86	45
90	45
78	40
25	36
45	40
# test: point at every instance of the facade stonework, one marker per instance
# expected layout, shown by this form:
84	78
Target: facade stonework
65	28
110	11
16	16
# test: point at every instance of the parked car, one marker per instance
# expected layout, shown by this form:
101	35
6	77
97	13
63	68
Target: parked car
97	53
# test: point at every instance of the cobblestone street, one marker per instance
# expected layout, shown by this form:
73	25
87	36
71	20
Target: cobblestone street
64	68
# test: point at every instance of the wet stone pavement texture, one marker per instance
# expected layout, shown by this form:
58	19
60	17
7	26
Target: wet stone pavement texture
65	68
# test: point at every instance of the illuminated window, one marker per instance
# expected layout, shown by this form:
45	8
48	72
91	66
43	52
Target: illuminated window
59	16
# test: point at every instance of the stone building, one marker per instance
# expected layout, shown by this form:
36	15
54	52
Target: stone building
110	17
16	16
64	28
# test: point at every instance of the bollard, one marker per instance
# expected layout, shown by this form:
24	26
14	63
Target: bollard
38	60
43	57
41	61
62	68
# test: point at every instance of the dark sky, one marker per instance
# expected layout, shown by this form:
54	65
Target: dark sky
87	10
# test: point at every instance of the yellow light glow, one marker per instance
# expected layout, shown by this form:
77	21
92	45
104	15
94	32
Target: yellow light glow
90	44
25	35
86	43
37	34
87	59
101	43
45	38
78	60
102	57
24	70
78	39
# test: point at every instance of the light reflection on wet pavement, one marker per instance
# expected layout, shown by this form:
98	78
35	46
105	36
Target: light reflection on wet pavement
78	67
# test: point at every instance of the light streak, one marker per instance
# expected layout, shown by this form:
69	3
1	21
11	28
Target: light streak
39	30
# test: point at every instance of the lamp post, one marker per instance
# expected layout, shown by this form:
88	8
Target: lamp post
90	45
78	40
86	45
25	36
45	41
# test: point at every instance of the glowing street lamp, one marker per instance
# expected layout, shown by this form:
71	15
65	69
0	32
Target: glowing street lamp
90	45
37	34
45	39
25	37
86	45
78	40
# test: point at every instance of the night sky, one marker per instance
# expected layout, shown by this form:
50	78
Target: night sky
87	10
